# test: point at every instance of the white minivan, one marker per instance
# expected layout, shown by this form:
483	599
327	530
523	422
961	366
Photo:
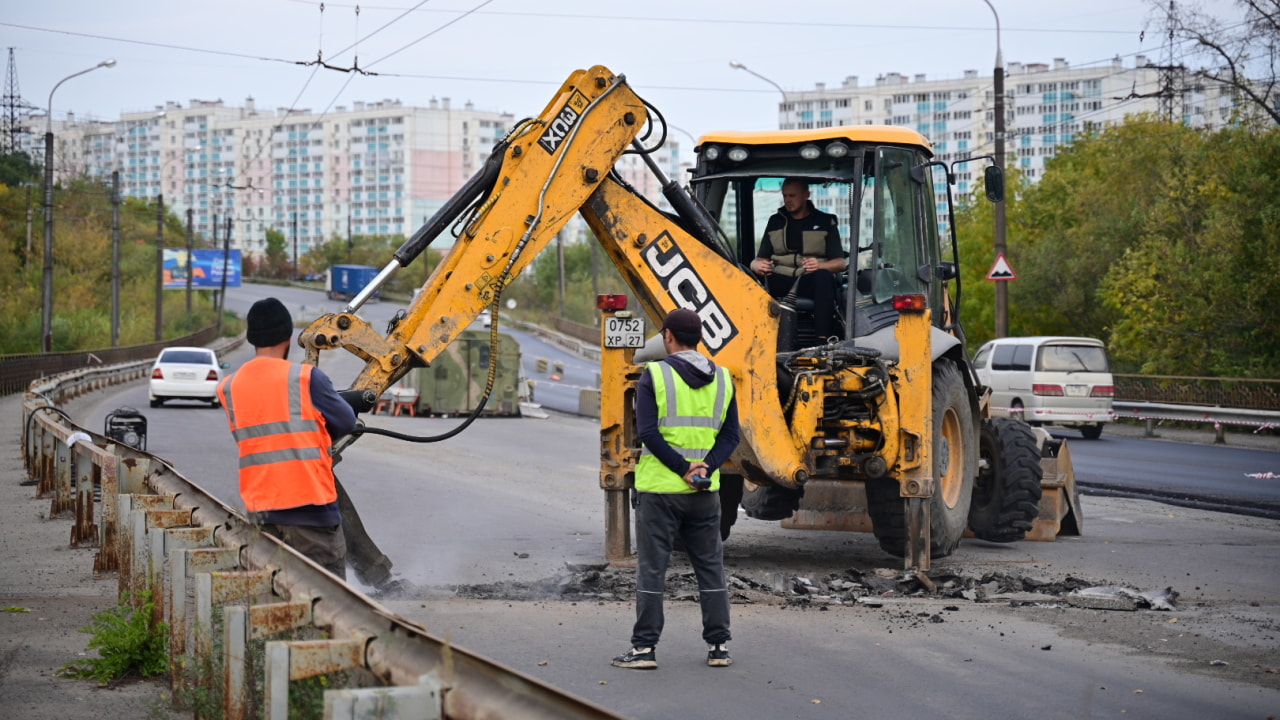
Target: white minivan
1049	381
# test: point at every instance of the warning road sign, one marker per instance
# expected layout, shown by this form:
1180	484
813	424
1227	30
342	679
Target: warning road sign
1001	270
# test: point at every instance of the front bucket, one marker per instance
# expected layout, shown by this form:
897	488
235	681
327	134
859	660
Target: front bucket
1059	502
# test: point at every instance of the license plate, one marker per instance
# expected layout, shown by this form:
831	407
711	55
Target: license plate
1077	391
623	332
180	375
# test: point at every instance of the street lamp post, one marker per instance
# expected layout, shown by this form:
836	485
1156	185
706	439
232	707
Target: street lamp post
1002	287
46	306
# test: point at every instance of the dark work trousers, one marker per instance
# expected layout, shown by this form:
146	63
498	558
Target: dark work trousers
696	517
820	285
325	546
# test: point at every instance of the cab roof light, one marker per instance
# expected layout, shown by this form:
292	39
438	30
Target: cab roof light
910	303
712	152
810	152
737	153
837	149
611	302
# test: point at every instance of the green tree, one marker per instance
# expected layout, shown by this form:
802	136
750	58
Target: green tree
82	272
276	262
1196	293
1152	236
18	169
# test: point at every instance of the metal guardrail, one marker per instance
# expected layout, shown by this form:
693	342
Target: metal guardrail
1219	417
17	372
198	556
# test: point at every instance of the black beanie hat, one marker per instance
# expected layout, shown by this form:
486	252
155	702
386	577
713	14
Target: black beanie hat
269	323
685	322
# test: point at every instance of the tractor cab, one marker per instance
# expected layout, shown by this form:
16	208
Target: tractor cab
878	184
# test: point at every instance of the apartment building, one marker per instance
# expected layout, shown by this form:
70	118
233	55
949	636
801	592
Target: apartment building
375	168
372	168
1046	107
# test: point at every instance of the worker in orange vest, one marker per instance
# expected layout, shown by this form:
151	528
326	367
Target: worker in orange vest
284	416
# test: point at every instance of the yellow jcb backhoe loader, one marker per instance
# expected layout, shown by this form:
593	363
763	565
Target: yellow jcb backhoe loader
882	428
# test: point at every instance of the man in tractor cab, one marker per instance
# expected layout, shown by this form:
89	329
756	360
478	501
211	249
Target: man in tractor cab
802	242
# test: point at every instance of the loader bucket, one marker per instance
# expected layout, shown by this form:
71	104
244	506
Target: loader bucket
1059	502
831	505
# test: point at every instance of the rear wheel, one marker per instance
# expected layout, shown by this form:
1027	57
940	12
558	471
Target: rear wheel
1006	495
770	502
955	463
157	402
1091	432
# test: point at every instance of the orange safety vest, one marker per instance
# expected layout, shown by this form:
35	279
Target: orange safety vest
284	444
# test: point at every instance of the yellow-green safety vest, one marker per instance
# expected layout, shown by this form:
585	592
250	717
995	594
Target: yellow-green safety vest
689	420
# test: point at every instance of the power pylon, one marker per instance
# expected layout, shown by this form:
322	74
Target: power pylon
14	110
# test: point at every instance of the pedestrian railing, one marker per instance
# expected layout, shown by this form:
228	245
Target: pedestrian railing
1219	417
224	587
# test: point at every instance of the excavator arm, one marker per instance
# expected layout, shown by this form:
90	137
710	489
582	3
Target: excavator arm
546	170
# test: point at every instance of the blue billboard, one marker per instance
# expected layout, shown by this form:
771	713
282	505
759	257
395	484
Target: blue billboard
206	269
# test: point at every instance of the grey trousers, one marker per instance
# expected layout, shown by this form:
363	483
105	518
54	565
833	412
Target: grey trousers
325	546
695	517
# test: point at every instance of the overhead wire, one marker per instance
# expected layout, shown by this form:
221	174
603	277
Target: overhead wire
433	32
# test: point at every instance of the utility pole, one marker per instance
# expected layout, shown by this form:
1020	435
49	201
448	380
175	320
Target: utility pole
217	300
46	300
46	303
595	275
226	259
30	211
1002	288
560	262
190	214
159	267
115	258
293	272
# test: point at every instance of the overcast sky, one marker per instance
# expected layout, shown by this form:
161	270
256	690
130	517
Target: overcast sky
511	55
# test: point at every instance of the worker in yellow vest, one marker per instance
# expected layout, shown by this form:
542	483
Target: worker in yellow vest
687	420
284	417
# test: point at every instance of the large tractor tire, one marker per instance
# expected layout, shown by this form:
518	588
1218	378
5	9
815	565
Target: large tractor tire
770	502
1006	495
730	498
955	463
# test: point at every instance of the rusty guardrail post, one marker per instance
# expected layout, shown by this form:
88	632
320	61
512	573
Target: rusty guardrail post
160	532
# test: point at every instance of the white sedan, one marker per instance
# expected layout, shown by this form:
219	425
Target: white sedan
186	373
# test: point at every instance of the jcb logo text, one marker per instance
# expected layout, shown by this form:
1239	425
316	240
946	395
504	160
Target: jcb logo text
684	286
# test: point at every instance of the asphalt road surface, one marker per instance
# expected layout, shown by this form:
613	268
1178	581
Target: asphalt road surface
1206	475
484	524
499	531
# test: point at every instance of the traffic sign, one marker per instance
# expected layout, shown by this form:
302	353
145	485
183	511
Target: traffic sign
1001	270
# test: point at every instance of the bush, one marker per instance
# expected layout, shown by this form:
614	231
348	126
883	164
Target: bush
129	642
